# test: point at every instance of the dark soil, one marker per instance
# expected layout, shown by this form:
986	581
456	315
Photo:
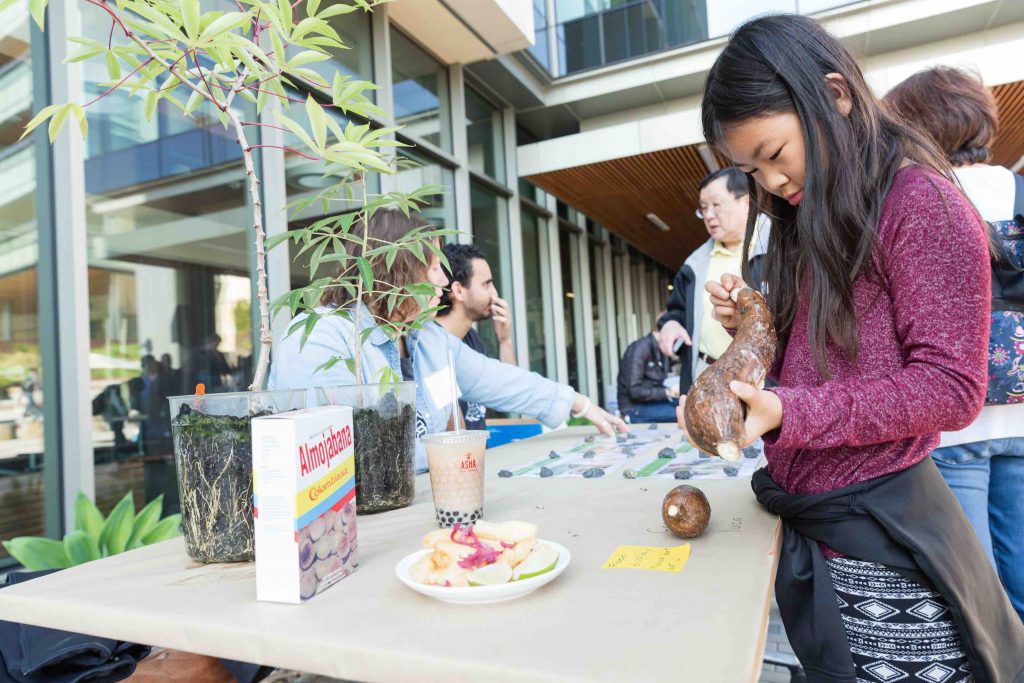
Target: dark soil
213	454
385	445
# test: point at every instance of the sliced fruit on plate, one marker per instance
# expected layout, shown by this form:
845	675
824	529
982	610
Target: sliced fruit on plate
542	560
490	575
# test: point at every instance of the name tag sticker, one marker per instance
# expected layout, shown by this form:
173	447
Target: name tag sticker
439	388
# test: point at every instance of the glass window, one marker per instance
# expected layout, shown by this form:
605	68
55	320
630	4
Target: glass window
596	297
169	288
579	43
22	494
539	49
639	296
533	266
592	33
485	136
620	264
490	235
420	92
357	61
304	177
566	243
425	171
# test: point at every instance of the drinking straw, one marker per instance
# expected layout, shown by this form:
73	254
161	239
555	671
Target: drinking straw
455	391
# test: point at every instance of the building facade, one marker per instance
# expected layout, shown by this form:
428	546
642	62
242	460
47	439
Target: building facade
556	127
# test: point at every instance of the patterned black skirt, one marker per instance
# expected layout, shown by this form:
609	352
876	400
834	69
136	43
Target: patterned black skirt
898	630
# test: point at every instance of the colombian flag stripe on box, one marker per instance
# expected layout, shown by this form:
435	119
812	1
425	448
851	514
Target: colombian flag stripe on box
325	493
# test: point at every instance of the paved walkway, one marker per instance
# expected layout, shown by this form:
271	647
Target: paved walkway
777	642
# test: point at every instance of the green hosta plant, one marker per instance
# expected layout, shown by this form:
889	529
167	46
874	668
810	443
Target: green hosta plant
95	536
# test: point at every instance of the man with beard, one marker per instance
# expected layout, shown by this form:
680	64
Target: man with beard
469	298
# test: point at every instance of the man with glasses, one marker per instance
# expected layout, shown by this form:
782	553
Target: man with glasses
688	331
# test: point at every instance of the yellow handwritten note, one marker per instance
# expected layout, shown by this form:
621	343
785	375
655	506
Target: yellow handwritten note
648	557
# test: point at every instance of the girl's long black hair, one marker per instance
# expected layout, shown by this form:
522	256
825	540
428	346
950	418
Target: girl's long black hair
777	64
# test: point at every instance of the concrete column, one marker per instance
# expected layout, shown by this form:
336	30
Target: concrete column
460	148
517	297
64	243
557	293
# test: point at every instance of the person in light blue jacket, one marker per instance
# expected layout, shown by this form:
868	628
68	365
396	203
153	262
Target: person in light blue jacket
421	355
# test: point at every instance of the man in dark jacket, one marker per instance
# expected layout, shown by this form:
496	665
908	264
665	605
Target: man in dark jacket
643	396
687	330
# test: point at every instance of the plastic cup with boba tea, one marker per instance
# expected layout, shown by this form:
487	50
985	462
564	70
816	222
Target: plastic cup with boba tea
456	461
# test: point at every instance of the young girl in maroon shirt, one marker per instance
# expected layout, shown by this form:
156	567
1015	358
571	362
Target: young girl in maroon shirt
877	274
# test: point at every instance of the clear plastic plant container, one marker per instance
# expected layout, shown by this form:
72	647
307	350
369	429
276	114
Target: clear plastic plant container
384	425
213	458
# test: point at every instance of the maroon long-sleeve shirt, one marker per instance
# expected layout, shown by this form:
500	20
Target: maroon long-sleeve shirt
922	362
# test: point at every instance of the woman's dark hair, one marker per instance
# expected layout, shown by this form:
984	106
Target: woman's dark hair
954	108
386	226
850	165
736	181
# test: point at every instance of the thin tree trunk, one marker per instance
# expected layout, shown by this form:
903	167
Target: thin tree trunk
262	296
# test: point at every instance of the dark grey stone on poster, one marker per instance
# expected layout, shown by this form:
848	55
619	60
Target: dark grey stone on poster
666	453
547	472
590	439
683	474
629	474
593	473
702	454
751	452
653	425
553	455
621	439
504	474
589	454
731	471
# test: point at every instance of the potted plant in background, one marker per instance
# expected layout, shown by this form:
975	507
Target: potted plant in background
384	413
174	52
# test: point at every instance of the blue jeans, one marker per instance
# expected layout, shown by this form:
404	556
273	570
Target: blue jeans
987	477
660	411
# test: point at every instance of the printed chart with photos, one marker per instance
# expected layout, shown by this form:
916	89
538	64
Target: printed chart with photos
647	451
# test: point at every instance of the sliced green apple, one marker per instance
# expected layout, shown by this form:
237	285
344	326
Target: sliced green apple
491	575
541	560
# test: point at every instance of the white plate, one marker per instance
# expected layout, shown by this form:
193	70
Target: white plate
481	595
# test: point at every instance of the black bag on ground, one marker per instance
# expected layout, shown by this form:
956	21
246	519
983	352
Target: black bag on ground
31	654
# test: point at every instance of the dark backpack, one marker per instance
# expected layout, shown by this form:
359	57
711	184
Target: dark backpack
1006	334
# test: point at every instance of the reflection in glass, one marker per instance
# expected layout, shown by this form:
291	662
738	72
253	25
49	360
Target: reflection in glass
539	49
169	289
21	391
490	235
485	136
536	323
420	85
593	33
356	61
124	149
424	171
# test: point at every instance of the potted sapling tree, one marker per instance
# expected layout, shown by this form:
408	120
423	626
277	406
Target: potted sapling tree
252	59
384	411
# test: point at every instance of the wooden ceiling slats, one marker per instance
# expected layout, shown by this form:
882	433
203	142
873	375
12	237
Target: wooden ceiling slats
619	193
